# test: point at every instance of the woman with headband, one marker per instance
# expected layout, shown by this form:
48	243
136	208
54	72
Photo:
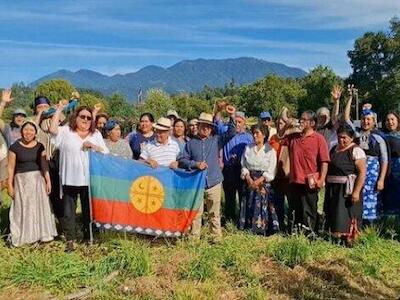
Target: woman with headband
376	150
114	143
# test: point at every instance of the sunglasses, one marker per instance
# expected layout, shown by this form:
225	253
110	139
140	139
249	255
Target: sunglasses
84	117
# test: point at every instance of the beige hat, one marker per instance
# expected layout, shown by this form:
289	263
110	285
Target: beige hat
205	118
172	112
162	124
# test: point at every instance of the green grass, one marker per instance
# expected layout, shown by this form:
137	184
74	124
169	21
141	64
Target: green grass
242	266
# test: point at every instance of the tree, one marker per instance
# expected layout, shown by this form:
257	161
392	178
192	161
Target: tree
119	108
157	102
90	101
55	90
370	60
190	106
23	97
270	93
375	60
318	85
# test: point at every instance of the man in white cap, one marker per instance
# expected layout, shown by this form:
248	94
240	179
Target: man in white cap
202	152
163	151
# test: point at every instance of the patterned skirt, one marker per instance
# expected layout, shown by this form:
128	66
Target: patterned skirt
391	198
31	218
371	205
257	210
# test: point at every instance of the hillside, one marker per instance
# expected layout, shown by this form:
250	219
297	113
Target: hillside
187	75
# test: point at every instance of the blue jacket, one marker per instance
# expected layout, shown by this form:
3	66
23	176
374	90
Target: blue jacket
233	145
198	150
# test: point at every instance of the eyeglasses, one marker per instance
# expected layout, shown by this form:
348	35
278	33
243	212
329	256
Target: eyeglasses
84	117
266	119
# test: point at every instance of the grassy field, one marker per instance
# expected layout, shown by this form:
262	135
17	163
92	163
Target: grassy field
243	266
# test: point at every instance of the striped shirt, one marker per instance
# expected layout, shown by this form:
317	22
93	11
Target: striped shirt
163	154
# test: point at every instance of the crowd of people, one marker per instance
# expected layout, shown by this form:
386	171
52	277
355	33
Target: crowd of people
44	165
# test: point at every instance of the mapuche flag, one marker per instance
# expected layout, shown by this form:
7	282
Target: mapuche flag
130	196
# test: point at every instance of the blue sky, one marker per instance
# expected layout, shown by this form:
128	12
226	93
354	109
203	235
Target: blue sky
121	36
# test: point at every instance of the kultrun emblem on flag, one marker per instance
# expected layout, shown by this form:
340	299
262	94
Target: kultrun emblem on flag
130	196
147	194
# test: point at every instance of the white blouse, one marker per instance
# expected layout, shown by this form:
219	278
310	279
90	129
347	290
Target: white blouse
264	160
74	161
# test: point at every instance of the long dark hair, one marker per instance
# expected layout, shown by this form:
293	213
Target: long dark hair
184	125
72	122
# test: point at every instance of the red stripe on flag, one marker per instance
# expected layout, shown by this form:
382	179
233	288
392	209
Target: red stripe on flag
124	213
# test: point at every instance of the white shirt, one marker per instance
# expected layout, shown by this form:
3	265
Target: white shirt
163	154
74	162
264	160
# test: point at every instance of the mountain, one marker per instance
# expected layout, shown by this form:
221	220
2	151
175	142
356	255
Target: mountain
187	75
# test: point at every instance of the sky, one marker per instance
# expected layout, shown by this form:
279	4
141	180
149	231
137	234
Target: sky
122	36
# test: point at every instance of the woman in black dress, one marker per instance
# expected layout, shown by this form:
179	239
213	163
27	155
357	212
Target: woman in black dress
345	180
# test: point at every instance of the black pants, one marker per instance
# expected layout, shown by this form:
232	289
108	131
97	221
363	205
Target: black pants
303	208
70	197
54	196
232	185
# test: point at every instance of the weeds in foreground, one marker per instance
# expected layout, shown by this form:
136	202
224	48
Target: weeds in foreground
242	266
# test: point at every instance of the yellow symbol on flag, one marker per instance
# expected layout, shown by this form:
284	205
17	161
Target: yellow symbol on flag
147	194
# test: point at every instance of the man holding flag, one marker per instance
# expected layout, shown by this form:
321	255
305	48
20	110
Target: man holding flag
202	152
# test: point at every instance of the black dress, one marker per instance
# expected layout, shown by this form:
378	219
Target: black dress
343	217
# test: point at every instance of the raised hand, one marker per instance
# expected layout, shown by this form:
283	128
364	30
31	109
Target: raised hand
97	108
6	96
62	104
336	93
350	90
230	109
75	95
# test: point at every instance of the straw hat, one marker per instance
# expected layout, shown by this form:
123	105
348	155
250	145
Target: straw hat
205	118
162	124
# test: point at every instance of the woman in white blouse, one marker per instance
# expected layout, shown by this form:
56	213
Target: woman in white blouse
257	212
73	141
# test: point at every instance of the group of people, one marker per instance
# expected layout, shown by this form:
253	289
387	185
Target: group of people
44	165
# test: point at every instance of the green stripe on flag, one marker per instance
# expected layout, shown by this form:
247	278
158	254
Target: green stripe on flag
118	190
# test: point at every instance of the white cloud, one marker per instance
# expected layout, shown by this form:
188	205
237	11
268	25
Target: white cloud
26	48
339	14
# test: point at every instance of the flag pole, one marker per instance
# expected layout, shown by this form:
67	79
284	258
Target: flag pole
90	208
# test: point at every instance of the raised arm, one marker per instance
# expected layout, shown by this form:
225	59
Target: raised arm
231	127
336	94
347	108
55	120
5	99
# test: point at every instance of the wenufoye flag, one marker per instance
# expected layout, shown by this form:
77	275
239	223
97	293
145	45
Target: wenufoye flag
130	196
